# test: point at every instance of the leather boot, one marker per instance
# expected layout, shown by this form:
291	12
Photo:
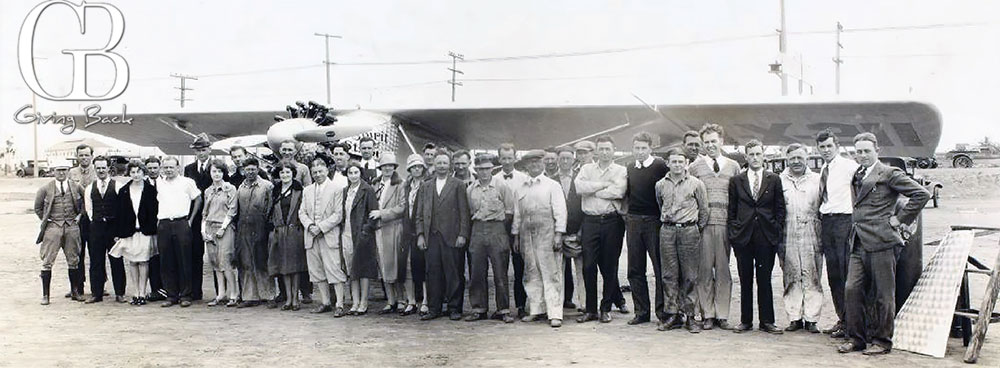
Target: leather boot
46	276
76	283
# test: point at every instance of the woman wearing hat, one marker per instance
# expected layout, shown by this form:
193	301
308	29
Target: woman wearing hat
358	237
411	259
389	215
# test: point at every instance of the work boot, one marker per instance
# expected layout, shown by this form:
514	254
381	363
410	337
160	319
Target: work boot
76	285
46	276
794	326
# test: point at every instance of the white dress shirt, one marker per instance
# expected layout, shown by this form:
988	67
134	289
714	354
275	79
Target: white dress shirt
439	184
88	203
645	163
838	186
175	196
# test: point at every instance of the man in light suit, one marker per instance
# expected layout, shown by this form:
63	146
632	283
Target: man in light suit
443	226
59	205
321	213
756	219
875	243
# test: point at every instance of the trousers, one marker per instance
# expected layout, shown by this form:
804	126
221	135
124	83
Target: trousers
601	238
543	271
643	240
834	230
445	269
680	255
173	237
715	283
101	240
488	246
756	259
871	288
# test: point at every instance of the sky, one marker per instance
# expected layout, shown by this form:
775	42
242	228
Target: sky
263	55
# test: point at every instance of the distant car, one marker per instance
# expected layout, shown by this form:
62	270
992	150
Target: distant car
908	166
27	169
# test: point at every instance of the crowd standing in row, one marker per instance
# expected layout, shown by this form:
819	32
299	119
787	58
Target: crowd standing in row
335	224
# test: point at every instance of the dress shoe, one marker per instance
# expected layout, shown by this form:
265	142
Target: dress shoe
455	315
840	333
811	327
605	317
743	327
555	323
321	309
185	303
876	349
273	304
120	299
409	310
306	299
794	326
521	313
93	299
724	324
638	320
475	316
246	304
770	328
708	323
167	304
155	296
45	300
836	327
286	307
534	318
232	303
388	309
339	312
588	317
693	326
507	318
850	346
672	322
622	308
430	316
569	305
68	294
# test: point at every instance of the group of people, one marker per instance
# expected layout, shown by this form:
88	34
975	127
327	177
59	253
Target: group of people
334	224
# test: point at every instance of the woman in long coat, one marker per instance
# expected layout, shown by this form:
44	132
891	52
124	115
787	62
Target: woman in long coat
411	259
286	252
135	228
358	237
388	238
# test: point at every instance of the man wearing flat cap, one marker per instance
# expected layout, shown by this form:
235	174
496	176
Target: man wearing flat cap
538	228
199	172
59	205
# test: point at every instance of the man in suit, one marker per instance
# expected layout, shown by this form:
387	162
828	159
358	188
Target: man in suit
875	242
100	199
756	230
199	172
59	205
442	223
321	215
368	162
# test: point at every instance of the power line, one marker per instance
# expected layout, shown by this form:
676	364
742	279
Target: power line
454	72
898	28
183	87
326	62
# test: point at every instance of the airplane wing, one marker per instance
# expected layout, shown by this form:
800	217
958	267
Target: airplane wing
903	128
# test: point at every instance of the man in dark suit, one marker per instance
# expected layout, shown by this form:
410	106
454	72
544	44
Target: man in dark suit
756	221
199	172
442	222
875	242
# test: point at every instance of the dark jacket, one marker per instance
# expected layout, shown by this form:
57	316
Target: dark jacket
365	258
875	203
148	207
766	214
574	207
448	213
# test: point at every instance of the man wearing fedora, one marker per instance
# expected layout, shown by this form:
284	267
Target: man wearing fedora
59	205
489	202
199	172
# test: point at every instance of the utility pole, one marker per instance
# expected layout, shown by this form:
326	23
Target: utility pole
837	61
782	43
454	64
326	38
183	87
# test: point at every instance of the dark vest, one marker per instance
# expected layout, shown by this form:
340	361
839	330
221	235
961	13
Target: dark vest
103	207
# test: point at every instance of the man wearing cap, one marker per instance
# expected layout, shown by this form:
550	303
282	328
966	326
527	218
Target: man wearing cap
572	251
321	214
584	153
84	175
100	201
601	186
513	178
199	172
254	201
59	205
539	225
442	223
489	201
175	195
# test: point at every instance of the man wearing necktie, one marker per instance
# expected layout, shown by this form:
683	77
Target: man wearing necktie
367	147
99	201
875	244
59	205
199	172
756	220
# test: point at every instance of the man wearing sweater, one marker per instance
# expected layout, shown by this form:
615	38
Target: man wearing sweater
643	227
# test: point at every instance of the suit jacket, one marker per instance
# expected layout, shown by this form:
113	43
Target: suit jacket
448	212
574	207
202	180
325	210
46	196
765	214
148	207
875	203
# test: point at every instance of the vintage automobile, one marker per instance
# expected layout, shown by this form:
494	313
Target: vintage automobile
27	169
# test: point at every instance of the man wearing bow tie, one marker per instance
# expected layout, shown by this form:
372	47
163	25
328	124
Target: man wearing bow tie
875	243
513	178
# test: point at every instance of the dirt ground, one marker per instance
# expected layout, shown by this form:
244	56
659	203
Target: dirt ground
67	334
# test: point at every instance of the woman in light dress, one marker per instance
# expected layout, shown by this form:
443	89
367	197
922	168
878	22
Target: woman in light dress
219	232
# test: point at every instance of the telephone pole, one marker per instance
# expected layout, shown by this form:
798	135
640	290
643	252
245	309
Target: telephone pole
326	38
837	61
183	87
782	43
454	72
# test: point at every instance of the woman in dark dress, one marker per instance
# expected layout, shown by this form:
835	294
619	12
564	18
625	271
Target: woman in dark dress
359	235
286	251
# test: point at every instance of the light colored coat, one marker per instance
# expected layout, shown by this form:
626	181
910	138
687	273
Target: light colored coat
46	195
389	235
322	207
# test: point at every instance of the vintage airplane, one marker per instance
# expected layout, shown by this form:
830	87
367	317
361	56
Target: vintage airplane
904	128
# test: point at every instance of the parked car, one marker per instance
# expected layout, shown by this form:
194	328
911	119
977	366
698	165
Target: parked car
27	169
909	166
